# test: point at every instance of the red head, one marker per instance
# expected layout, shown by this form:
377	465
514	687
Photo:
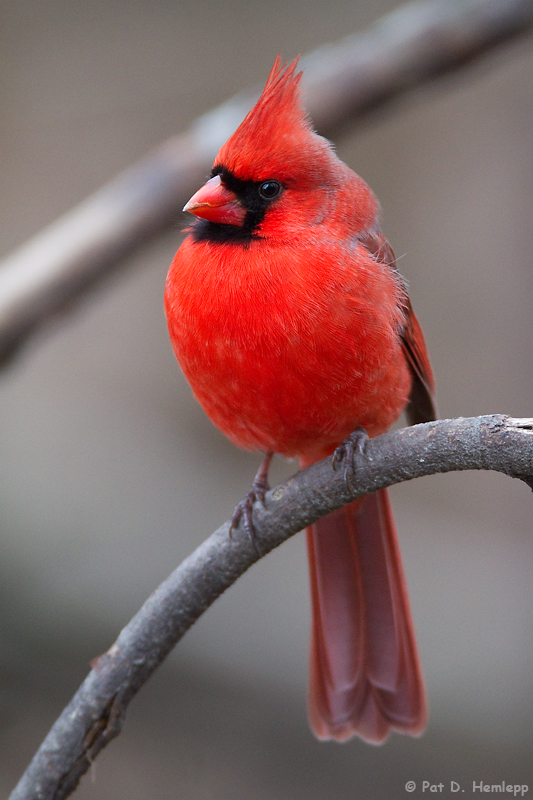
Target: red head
275	174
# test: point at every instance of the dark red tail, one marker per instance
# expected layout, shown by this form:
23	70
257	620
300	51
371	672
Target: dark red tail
365	675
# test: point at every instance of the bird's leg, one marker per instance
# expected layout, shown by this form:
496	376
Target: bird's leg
260	487
344	455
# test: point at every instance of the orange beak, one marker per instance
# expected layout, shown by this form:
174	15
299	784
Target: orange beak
216	203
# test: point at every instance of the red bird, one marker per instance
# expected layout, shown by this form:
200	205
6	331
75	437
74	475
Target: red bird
294	328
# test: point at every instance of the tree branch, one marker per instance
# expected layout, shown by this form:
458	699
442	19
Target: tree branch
96	713
405	49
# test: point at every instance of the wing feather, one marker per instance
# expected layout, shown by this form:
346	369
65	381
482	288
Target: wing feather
422	406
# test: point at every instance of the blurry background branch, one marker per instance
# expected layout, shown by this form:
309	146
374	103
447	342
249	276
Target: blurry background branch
406	49
96	713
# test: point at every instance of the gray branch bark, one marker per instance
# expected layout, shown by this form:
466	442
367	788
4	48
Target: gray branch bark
96	713
406	49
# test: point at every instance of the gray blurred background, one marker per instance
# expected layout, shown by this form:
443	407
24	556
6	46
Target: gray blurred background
110	474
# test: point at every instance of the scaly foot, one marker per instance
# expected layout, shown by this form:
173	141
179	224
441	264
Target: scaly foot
260	487
344	455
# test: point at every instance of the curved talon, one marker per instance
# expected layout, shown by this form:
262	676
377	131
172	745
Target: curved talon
260	487
353	445
245	508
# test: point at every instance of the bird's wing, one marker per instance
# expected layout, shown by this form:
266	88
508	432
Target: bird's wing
422	406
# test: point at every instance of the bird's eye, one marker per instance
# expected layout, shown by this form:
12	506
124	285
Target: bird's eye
268	190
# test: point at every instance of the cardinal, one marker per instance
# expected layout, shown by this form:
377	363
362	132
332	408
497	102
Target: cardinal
294	329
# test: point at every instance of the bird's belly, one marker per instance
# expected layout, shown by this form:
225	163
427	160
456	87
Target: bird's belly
298	394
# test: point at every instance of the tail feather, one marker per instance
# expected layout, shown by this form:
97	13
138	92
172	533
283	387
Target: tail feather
365	675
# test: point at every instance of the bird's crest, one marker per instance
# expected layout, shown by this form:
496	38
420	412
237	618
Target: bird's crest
274	134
